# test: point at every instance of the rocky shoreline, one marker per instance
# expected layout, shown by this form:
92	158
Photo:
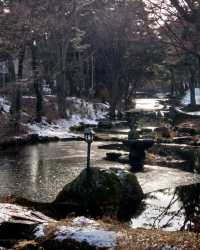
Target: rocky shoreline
30	139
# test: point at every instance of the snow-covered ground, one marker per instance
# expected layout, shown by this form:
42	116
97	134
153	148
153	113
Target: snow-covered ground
13	213
82	229
78	111
4	105
148	104
59	128
163	211
186	98
83	112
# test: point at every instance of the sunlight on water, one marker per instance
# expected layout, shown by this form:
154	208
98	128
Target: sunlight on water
169	209
39	172
148	104
161	209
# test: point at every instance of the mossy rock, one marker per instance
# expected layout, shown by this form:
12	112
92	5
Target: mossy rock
99	192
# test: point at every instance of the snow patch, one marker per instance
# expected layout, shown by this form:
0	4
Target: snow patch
4	105
81	221
121	174
85	112
39	231
12	212
93	236
170	248
194	113
28	97
155	215
84	229
7	210
148	104
186	98
59	128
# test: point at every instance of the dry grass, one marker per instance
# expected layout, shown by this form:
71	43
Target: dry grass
128	239
26	245
141	239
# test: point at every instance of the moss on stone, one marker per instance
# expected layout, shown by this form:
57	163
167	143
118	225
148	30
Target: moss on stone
102	192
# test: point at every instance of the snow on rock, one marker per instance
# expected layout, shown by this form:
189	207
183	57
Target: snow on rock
81	221
39	231
4	105
94	237
83	229
13	213
121	173
186	98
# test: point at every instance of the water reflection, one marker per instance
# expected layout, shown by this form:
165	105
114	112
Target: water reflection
39	172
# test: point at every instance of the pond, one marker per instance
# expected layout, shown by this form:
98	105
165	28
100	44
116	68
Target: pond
39	172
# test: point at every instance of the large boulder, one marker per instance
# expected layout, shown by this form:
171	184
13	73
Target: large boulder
99	192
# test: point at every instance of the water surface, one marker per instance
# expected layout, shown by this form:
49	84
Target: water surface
39	172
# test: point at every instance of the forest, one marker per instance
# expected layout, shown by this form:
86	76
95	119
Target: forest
105	49
100	124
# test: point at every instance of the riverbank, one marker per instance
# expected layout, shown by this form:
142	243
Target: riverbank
51	128
41	232
138	239
45	168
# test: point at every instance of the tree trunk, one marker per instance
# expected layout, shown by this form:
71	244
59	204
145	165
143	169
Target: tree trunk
61	95
11	70
192	88
39	99
114	97
37	84
198	69
21	63
15	110
113	107
173	82
61	81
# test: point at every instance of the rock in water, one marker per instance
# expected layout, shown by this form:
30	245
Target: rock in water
99	192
